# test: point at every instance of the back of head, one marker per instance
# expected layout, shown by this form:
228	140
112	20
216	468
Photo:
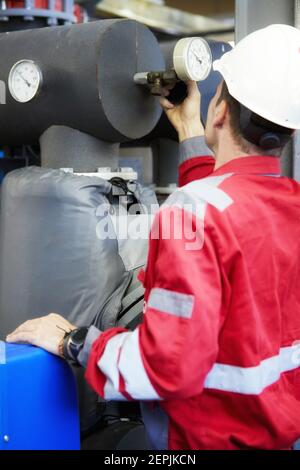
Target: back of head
251	131
261	88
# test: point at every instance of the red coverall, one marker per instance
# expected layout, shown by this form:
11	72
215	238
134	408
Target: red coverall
215	362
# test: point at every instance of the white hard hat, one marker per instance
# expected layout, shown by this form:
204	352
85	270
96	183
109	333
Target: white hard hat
262	72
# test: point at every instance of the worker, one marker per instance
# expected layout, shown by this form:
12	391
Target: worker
215	362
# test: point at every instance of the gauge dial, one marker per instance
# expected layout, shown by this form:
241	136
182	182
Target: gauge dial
192	59
25	80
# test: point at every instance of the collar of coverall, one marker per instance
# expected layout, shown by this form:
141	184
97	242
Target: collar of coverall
255	165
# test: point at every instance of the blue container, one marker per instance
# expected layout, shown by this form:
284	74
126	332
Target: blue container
38	401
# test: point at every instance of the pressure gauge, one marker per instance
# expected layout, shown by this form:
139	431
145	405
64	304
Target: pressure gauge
192	59
25	80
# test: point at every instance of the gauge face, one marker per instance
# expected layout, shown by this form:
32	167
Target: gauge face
192	59
25	80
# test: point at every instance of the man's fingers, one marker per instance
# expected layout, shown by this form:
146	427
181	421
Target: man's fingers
165	92
43	332
21	337
32	327
166	104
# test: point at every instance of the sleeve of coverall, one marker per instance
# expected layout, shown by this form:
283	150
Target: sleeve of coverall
193	166
171	353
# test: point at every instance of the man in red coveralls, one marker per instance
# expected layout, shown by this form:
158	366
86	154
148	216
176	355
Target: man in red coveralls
215	362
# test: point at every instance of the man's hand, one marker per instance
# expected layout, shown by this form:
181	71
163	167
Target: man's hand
186	116
46	332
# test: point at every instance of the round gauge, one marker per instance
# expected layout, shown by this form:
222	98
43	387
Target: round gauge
25	80
192	59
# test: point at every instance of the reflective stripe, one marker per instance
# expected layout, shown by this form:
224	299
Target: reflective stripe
174	303
207	190
122	356
108	365
110	393
253	380
132	369
186	202
195	196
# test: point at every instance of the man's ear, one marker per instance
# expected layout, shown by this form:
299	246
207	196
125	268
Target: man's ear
221	113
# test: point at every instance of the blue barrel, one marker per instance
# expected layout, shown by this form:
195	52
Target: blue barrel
38	401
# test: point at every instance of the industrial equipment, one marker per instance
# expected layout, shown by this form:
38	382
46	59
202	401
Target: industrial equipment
80	106
62	243
79	91
84	80
27	14
192	60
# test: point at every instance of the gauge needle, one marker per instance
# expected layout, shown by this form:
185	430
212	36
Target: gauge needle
196	55
23	78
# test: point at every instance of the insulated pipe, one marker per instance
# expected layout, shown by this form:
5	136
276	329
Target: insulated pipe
63	147
87	85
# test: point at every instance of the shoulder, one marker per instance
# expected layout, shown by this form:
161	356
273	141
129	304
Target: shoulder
198	196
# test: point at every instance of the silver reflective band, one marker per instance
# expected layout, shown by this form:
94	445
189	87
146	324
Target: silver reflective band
131	367
207	190
253	380
108	365
196	196
174	303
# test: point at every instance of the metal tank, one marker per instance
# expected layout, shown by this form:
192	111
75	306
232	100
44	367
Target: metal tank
86	81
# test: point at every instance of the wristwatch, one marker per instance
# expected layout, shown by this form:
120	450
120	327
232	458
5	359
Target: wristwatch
73	343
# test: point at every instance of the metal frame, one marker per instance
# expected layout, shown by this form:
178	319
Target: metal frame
29	12
252	15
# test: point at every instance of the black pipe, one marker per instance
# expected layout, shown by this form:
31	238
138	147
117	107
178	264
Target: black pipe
88	82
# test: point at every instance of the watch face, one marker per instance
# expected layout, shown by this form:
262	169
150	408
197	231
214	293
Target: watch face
79	336
74	343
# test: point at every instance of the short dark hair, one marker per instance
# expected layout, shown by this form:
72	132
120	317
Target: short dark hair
235	120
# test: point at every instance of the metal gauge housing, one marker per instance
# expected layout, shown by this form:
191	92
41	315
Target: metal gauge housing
192	59
25	80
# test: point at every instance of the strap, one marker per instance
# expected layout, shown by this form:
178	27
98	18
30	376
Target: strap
132	314
132	306
132	297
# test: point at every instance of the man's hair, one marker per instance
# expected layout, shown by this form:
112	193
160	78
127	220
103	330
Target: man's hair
235	122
